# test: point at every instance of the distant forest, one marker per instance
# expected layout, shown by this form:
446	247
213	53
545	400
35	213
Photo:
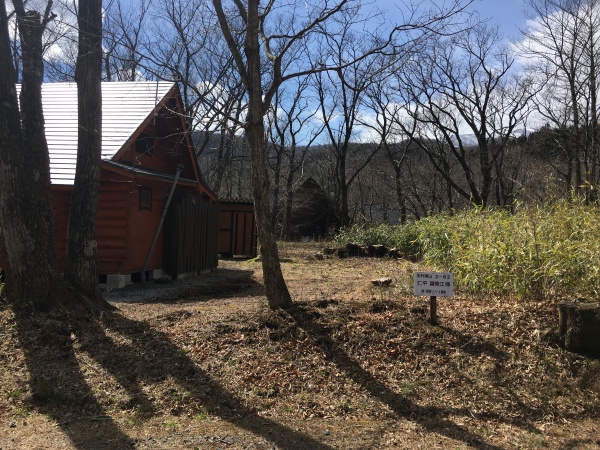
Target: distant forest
400	182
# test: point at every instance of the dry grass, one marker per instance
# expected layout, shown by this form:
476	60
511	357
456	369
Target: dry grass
353	366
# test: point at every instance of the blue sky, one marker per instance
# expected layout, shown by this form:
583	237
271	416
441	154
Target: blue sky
507	14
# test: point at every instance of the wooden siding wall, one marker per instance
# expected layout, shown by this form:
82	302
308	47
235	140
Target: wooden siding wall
190	243
142	225
112	229
61	202
123	231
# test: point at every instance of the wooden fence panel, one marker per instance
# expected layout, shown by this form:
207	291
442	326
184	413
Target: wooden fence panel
237	230
191	229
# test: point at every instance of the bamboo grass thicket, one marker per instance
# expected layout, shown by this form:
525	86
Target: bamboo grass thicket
538	252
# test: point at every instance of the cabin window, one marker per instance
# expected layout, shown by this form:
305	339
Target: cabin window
144	144
146	199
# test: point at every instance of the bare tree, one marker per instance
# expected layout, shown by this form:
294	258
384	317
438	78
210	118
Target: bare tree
125	27
562	46
124	34
260	61
57	40
290	123
466	106
296	154
81	266
385	104
219	144
186	46
341	98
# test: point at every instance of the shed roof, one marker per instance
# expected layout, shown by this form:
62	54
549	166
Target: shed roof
125	106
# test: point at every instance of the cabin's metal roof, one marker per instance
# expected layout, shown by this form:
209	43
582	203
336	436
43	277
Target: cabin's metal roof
125	106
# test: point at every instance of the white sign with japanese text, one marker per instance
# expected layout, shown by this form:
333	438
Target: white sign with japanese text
438	284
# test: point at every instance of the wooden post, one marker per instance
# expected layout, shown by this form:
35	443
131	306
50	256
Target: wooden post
433	310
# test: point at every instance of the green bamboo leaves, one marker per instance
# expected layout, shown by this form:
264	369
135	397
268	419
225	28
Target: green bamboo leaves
548	251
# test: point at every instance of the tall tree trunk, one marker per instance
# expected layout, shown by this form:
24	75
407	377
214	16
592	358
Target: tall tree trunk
399	191
81	268
277	292
25	199
289	196
276	188
220	172
593	89
32	115
342	209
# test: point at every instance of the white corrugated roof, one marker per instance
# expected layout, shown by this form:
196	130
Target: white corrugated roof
125	105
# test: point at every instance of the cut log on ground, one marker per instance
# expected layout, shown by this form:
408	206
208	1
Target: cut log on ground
354	250
377	251
579	327
382	282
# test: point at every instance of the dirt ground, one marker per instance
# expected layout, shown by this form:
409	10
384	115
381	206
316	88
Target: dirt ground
204	364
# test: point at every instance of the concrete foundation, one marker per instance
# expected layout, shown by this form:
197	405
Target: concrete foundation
157	274
118	281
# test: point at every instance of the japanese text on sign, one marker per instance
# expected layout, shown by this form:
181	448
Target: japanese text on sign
438	284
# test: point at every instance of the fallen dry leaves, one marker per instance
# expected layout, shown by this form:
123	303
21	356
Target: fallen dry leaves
351	366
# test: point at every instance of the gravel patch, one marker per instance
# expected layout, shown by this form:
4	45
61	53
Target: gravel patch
147	292
228	279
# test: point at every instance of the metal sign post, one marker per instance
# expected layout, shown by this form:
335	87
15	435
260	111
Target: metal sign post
433	284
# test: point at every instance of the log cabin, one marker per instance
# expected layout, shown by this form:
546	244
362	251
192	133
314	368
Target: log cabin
155	215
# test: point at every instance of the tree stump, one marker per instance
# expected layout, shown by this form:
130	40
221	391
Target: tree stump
353	249
394	253
579	327
377	251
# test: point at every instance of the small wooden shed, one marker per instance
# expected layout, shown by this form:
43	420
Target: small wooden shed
146	154
237	229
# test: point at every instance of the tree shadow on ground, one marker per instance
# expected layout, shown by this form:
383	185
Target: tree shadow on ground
434	419
130	351
221	283
574	444
58	386
473	346
61	391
